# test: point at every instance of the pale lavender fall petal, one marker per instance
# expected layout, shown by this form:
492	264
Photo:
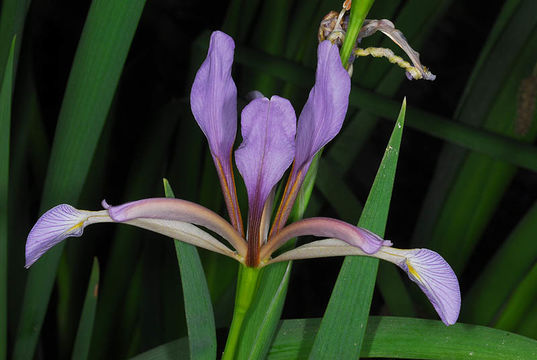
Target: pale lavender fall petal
437	280
268	130
57	224
326	227
425	267
324	112
213	98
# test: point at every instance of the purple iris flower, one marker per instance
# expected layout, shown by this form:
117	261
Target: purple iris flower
272	141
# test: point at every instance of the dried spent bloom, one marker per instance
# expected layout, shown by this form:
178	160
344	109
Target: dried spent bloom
334	26
272	141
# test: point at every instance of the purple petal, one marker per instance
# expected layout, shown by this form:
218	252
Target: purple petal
213	98
437	280
56	225
324	112
360	238
214	104
268	147
178	210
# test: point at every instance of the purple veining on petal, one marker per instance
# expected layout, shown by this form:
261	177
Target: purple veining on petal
213	98
321	119
437	280
57	224
268	130
361	238
324	112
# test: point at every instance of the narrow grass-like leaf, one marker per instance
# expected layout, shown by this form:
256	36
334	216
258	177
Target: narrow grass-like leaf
342	328
98	62
169	351
480	182
520	302
507	267
527	327
408	338
274	15
264	314
6	92
127	243
12	19
392	287
508	38
390	337
198	306
85	326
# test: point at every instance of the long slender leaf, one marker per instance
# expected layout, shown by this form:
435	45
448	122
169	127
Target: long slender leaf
100	56
407	338
391	337
12	19
85	326
198	307
503	46
342	328
480	183
507	267
6	92
520	302
127	243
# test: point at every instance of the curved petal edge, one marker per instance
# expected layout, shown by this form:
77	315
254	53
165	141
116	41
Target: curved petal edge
436	279
57	224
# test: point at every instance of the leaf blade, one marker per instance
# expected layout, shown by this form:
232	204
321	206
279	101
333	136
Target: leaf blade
87	318
100	57
198	306
6	92
344	323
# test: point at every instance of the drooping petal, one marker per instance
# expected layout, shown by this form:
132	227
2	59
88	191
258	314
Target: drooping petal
268	130
213	98
324	112
173	220
57	224
436	279
326	227
425	267
178	210
185	232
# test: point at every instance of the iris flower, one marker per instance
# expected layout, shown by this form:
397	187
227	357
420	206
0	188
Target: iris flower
272	141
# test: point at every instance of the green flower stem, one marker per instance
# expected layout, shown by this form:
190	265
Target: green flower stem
247	284
359	11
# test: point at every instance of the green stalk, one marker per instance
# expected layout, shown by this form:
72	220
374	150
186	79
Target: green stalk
247	284
359	11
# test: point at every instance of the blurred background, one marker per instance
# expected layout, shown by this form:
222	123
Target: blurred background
466	183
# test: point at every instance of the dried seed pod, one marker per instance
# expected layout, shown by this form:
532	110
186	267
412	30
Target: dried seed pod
527	97
330	29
